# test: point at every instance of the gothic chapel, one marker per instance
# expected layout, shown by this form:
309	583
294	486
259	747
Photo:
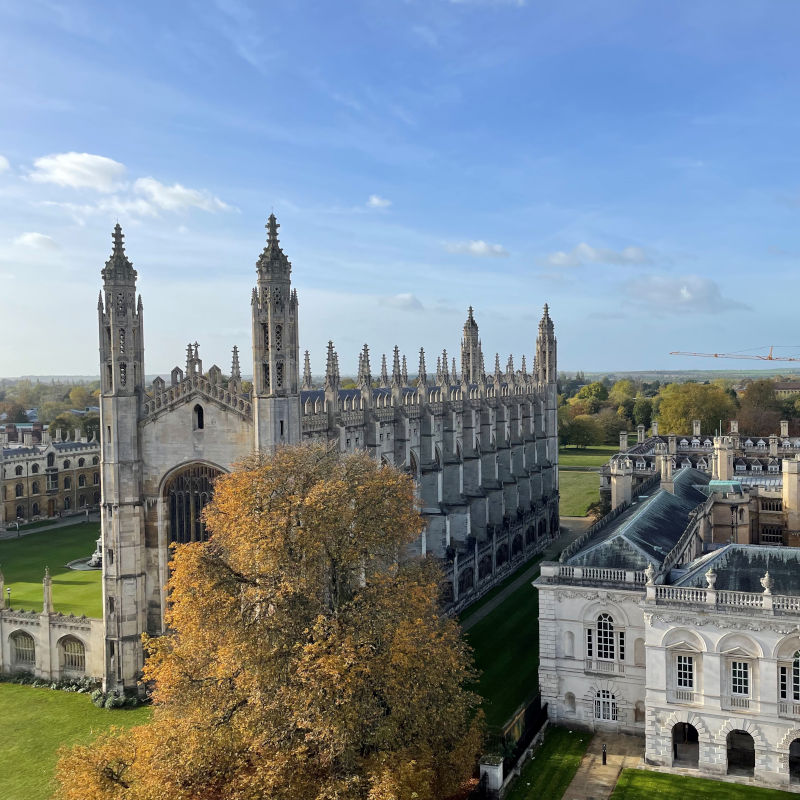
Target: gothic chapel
483	448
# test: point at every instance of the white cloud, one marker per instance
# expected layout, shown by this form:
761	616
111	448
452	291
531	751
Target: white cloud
477	247
38	241
404	301
79	171
586	254
669	294
4	164
177	197
376	201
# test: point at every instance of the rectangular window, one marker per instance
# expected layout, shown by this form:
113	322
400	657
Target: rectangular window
622	645
588	643
783	689
685	672
740	678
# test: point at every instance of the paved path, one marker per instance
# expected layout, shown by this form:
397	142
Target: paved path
64	522
593	781
571	528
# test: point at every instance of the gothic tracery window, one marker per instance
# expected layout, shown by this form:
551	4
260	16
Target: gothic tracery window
187	493
123	374
279	375
278	337
122	341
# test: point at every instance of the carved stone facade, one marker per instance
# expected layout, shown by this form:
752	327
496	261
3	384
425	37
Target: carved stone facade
648	626
483	449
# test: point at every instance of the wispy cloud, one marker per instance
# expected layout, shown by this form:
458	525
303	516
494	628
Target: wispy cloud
477	247
78	171
376	201
404	301
4	164
586	254
37	241
667	294
177	197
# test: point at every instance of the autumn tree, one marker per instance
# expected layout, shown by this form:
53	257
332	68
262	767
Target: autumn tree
307	658
680	403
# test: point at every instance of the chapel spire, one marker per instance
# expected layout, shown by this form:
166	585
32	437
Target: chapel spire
422	376
384	373
364	379
118	268
236	373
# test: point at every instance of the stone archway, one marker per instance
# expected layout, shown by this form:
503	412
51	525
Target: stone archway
741	752
685	745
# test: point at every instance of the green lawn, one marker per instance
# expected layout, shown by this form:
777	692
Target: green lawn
495	590
547	775
638	784
506	644
23	559
578	490
594	456
36	722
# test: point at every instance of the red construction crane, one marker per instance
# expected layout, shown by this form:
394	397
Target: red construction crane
756	357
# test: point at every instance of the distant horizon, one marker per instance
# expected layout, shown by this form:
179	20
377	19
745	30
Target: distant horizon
319	377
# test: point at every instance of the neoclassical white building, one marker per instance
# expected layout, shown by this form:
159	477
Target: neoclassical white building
656	623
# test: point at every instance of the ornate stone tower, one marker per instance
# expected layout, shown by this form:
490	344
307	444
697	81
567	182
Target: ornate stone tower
276	353
122	377
471	358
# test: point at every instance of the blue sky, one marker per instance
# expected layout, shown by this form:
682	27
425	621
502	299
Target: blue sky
633	164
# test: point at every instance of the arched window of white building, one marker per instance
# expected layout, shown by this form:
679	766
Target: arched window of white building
73	655
605	637
605	706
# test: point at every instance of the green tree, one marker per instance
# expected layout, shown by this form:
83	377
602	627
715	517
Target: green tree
760	410
584	430
622	391
593	391
643	411
680	403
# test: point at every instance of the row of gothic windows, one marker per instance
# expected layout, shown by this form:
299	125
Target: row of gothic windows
19	489
51	462
72	653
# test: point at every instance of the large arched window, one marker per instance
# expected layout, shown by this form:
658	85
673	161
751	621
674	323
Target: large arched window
23	649
81	480
18	490
67	483
605	637
81	462
197	418
34	468
18	470
35	509
35	487
72	654
67	503
51	459
187	492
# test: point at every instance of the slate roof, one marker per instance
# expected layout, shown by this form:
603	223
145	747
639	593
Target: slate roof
647	531
740	567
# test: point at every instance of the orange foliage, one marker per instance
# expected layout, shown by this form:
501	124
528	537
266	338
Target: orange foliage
307	660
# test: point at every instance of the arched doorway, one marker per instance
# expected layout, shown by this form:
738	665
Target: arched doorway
794	761
741	753
186	493
685	745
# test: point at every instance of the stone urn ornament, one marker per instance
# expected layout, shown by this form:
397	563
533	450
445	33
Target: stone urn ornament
711	578
767	583
650	574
